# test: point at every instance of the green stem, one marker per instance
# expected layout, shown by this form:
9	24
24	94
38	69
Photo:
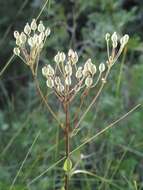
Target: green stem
67	140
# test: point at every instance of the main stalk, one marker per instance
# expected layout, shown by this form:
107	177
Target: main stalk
67	140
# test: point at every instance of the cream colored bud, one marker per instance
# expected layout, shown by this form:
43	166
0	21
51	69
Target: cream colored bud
41	27
23	38
124	40
18	41
51	71
41	37
72	56
79	73
62	57
102	67
88	81
92	69
27	29
45	71
33	25
60	87
57	58
107	37
35	39
57	80
89	67
47	32
16	34
50	82
85	72
16	51
68	80
88	64
30	42
68	69
114	39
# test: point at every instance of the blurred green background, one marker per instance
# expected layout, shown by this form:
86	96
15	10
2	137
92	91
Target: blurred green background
116	157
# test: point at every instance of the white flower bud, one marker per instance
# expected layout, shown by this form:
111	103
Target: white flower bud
102	67
88	64
23	38
68	69
92	69
50	82
114	39
107	37
27	29
62	57
45	71
51	71
16	51
57	80
18	41
30	42
47	32
35	39
124	40
41	27
73	56
16	34
57	58
89	67
68	80
88	81
41	37
33	25
79	73
85	72
60	88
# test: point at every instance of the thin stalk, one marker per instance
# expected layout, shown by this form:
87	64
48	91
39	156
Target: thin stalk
67	139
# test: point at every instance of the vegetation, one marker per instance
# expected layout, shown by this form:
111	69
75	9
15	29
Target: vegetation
31	143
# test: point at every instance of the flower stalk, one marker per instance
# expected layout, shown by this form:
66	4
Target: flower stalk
66	78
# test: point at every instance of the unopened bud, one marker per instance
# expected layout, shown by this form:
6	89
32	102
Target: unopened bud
16	34
16	51
33	25
102	67
23	38
50	82
62	57
60	87
68	80
88	81
114	39
73	56
68	69
107	37
79	73
124	40
47	32
27	29
41	27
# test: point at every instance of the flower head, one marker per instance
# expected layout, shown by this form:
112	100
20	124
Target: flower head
30	42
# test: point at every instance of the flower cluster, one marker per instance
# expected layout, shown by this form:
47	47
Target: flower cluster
67	78
112	58
30	42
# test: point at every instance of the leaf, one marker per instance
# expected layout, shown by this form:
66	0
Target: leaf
67	165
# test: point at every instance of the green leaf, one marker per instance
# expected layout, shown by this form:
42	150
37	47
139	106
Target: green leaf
67	165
